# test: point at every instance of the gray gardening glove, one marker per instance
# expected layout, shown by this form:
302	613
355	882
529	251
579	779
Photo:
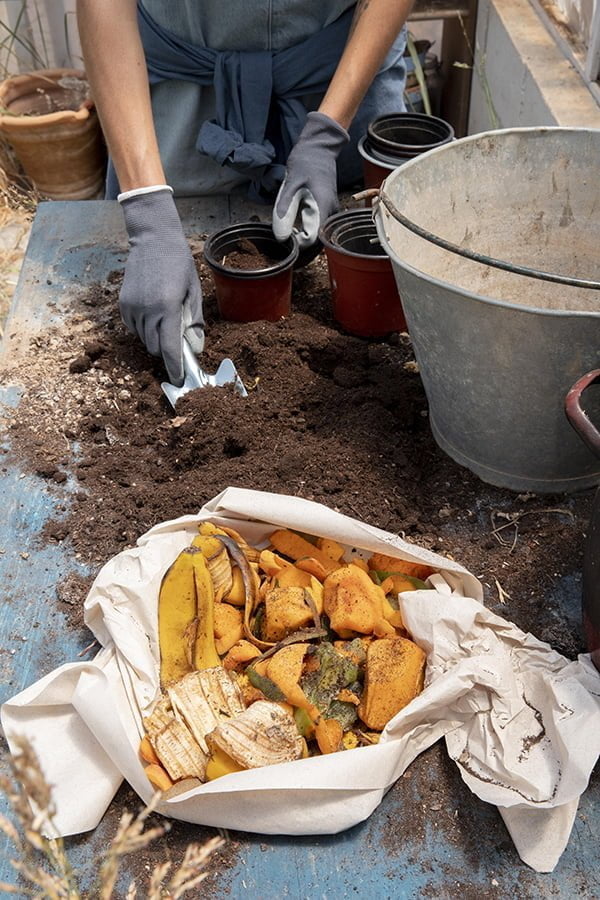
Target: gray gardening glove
310	184
161	298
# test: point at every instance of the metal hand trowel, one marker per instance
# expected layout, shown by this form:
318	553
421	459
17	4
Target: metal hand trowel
196	377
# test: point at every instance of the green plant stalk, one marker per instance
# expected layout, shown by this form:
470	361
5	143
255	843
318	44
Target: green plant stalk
76	62
419	73
41	31
14	38
478	65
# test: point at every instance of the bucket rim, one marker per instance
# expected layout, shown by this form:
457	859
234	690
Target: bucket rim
384	199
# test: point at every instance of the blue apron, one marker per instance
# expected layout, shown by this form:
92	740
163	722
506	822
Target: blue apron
249	106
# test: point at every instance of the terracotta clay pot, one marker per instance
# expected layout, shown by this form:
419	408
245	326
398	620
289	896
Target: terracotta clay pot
392	140
51	124
363	288
247	295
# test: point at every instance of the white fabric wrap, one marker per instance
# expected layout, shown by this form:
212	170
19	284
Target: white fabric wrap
522	722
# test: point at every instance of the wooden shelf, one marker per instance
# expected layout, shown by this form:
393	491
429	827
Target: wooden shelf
426	10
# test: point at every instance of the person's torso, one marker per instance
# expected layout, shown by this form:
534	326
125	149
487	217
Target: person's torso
245	24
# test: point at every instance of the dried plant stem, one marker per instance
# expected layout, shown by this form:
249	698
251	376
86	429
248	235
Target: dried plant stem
514	518
31	801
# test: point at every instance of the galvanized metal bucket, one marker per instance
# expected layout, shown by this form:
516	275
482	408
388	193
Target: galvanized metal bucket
494	241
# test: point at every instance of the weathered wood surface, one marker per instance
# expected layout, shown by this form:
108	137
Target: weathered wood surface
430	836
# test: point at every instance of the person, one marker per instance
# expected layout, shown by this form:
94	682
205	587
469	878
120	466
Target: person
198	97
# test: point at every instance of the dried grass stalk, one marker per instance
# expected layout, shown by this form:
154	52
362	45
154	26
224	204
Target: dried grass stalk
42	863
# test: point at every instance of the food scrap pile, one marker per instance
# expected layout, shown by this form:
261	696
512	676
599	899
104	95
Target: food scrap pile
272	655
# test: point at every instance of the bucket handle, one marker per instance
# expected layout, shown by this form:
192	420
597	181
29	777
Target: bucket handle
578	417
473	255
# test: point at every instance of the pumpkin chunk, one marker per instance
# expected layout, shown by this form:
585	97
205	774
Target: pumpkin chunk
394	676
286	611
384	563
354	603
296	547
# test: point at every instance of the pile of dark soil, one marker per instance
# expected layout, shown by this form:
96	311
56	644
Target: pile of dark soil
248	256
330	417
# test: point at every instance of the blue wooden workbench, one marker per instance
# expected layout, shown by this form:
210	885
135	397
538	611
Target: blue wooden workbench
430	836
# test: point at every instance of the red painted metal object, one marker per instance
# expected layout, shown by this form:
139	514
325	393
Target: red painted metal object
591	559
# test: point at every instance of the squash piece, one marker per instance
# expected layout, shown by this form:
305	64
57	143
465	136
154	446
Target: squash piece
383	563
296	547
393	616
226	619
237	592
250	694
401	583
240	654
313	566
158	777
330	548
229	627
329	734
293	576
220	763
261	666
354	603
360	562
285	669
146	751
265	686
271	564
350	741
394	676
387	585
286	611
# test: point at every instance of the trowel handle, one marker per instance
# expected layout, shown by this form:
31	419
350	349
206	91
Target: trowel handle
578	417
194	375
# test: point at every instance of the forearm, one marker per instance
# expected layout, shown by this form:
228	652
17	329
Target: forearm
116	69
374	28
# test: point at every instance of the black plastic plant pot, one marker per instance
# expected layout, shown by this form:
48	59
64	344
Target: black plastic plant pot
363	288
405	135
263	290
393	139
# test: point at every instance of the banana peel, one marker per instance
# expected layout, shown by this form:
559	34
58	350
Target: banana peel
186	618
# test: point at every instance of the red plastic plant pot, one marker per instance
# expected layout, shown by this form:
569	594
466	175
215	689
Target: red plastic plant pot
393	139
250	294
363	288
375	171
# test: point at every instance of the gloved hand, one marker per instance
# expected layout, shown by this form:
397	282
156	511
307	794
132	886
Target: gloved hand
161	298
310	183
